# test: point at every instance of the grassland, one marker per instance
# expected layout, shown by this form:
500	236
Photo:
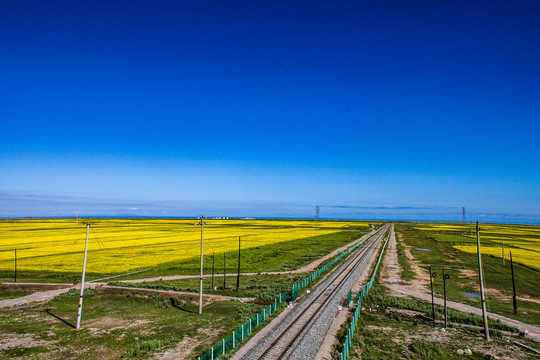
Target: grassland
52	250
439	246
117	325
393	328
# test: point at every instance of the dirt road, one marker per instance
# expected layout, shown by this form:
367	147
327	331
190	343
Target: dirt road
41	296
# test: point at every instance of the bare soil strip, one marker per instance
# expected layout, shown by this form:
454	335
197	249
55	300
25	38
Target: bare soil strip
391	278
175	293
41	296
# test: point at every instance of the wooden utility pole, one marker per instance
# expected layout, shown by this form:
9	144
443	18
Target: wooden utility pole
445	277
483	297
15	265
213	258
223	271
431	276
514	298
238	278
79	310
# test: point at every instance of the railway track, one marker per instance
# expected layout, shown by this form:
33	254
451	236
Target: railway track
287	340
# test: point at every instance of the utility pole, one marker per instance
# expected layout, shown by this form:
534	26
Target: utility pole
15	265
213	256
502	243
484	315
445	277
431	276
79	311
514	298
238	278
223	271
201	277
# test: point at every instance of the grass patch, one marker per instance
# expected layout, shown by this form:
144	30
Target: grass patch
10	292
264	287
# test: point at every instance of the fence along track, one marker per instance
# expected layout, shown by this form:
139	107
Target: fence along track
285	342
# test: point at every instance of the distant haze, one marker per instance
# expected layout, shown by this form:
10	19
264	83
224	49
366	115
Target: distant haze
39	206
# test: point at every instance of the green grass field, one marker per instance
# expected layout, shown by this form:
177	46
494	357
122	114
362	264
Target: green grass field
116	325
443	243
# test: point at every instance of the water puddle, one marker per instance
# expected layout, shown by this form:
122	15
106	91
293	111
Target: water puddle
421	249
471	295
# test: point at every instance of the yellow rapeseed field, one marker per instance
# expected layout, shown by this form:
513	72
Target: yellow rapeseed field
523	256
120	245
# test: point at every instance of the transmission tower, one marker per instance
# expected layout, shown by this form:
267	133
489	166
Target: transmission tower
317	209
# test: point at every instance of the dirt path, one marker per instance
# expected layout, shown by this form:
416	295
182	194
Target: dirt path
391	278
173	293
41	296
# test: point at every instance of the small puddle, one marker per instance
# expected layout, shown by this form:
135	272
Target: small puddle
421	249
471	295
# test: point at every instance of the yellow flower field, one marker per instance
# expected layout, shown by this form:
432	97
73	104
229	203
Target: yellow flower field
119	245
523	256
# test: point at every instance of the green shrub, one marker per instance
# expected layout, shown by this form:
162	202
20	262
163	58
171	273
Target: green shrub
144	346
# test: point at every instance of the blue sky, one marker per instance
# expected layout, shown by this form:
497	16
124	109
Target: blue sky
388	109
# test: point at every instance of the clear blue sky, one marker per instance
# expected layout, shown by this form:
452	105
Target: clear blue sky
370	109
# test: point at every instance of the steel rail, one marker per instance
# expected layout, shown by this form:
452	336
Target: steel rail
335	283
